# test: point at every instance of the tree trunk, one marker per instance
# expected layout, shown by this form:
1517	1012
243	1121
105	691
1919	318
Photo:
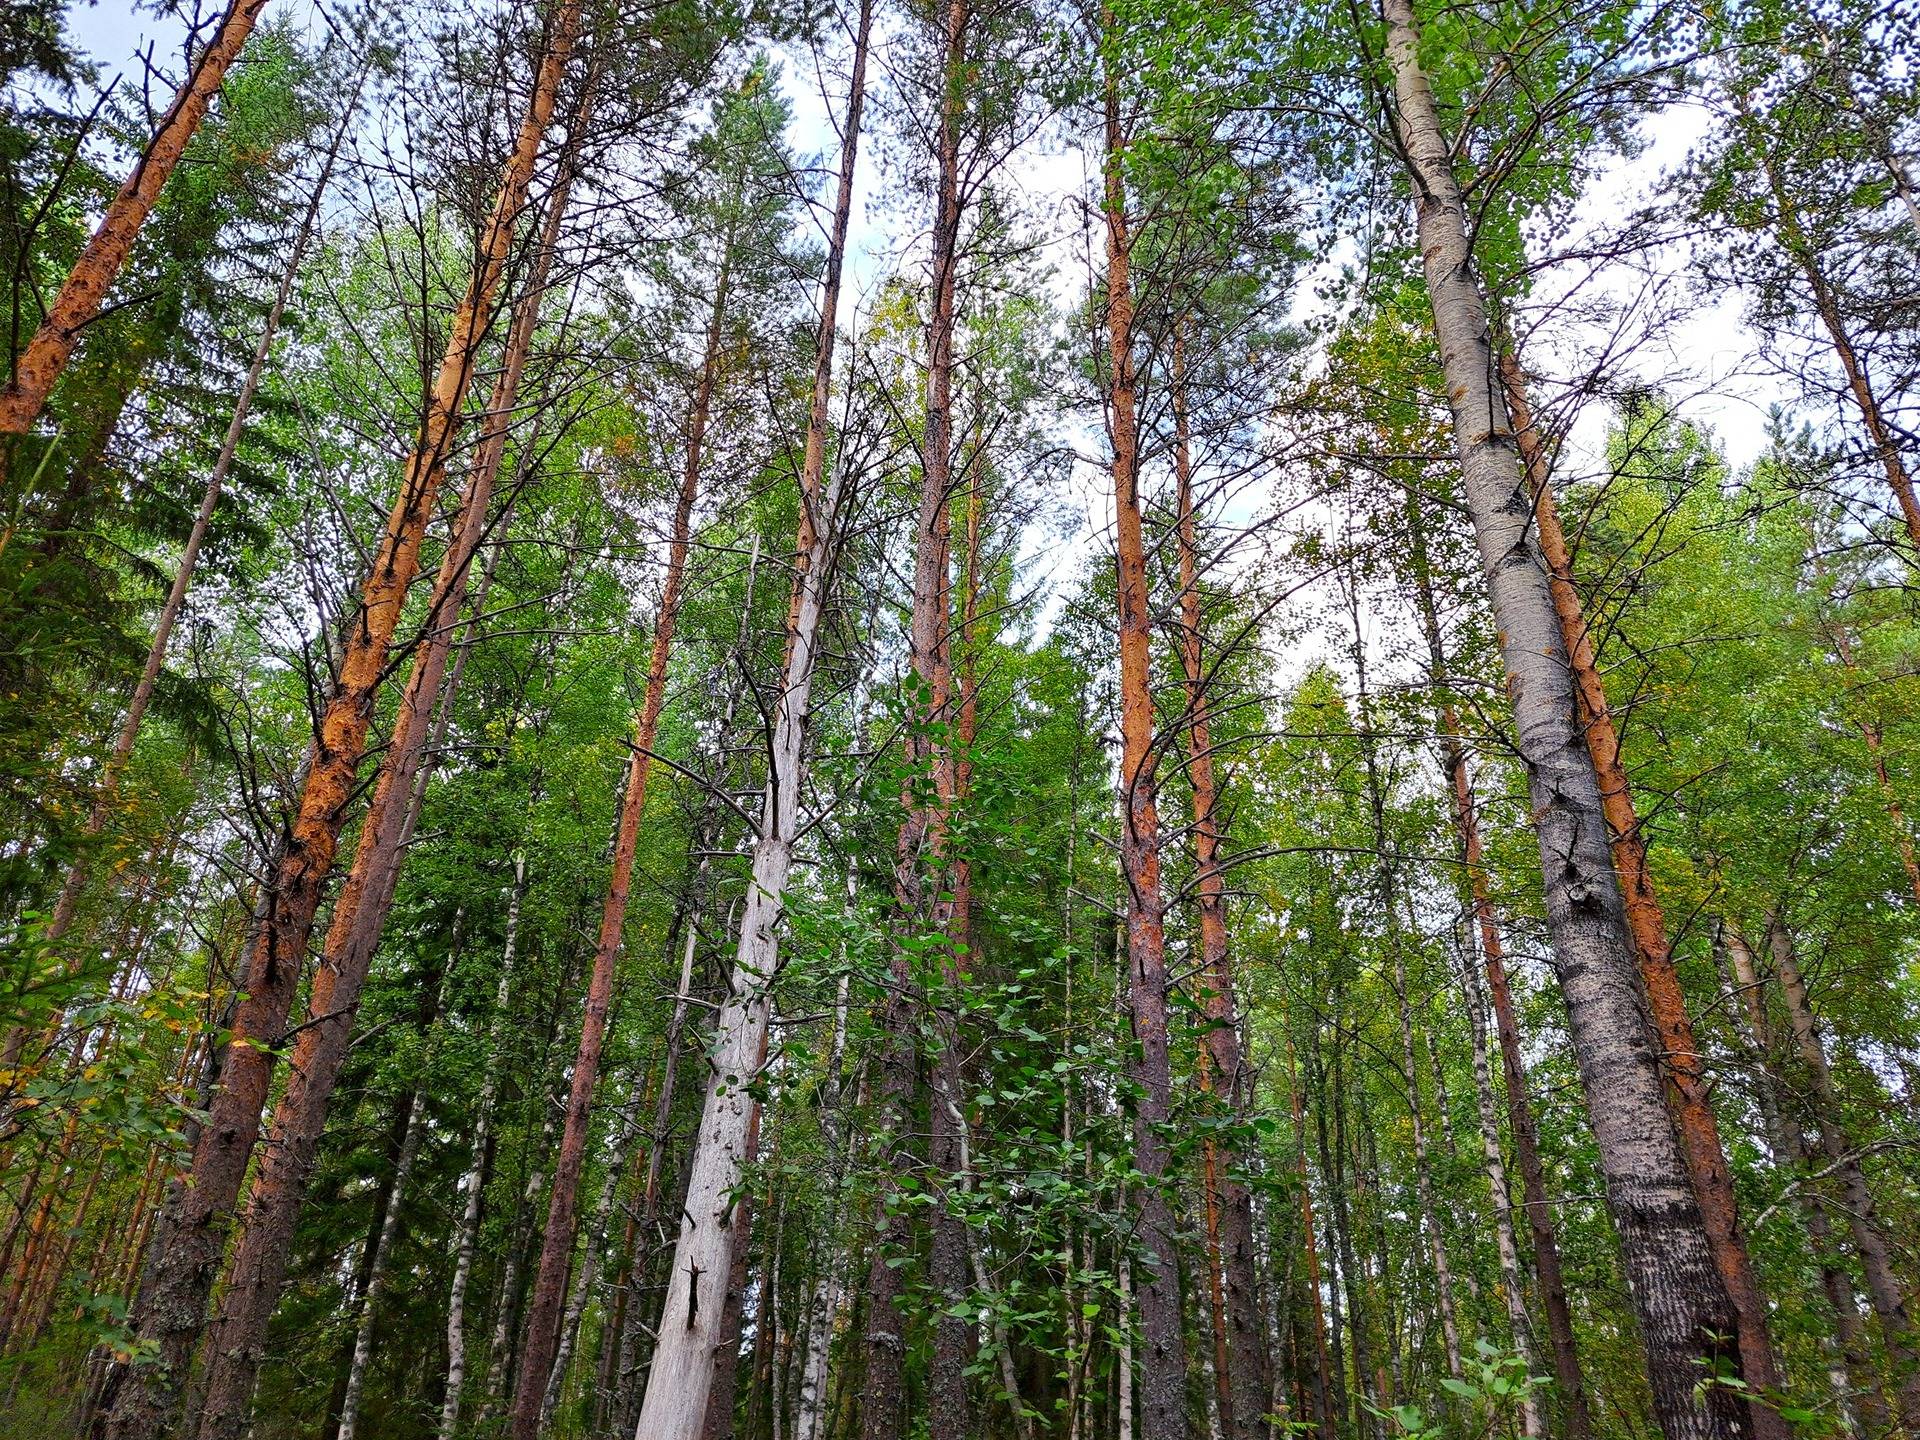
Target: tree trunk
377	1276
472	1180
626	1131
1796	242
1568	1378
1324	1377
170	609
682	1372
1884	1289
1389	889
40	365
1240	1345
628	1361
556	1252
925	877
1854	1377
1689	1096
722	1394
1513	1292
187	1244
258	1268
1679	1295
1163	1399
823	1302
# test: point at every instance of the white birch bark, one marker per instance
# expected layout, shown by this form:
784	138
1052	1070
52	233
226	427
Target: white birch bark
1679	1298
1532	1426
476	1165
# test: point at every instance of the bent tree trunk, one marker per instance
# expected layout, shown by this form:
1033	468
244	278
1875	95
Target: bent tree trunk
1164	1365
41	363
1679	1296
184	1250
681	1377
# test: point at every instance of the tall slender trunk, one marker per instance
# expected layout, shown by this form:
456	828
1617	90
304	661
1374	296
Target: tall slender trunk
1422	1172
723	1393
1240	1346
682	1372
39	366
580	1295
649	1218
472	1179
628	1127
823	1302
1799	245
1512	1287
382	1267
500	1349
1855	1378
1545	1243
258	1268
1389	887
1163	1400
1884	1290
1689	1095
924	877
1334	1167
556	1251
170	609
1323	1374
1680	1297
186	1246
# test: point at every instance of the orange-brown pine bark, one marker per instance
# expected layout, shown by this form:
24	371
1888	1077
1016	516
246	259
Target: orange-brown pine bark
40	365
1241	1365
186	1246
258	1268
1164	1358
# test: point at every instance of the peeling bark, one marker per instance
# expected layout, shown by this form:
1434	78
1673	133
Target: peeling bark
1679	1295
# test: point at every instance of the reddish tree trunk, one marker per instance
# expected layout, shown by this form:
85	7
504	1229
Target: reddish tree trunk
258	1268
170	609
923	874
186	1247
1886	445
1163	1404
556	1250
40	365
1241	1357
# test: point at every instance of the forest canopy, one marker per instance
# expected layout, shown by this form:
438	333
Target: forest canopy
762	720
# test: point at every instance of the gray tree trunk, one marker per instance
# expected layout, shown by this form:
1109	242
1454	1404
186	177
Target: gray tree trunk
1686	1319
